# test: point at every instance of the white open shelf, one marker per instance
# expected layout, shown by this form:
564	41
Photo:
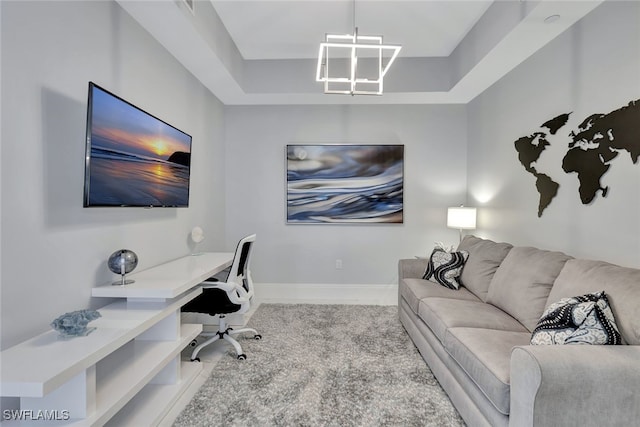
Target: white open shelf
122	377
127	370
152	404
37	366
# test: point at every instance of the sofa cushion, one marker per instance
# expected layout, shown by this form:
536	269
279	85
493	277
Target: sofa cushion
445	267
584	319
621	284
485	356
441	314
413	290
484	258
523	281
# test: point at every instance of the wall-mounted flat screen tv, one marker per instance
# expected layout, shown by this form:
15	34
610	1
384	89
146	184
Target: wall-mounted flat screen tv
132	157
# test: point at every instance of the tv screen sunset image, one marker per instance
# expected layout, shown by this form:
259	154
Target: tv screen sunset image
135	159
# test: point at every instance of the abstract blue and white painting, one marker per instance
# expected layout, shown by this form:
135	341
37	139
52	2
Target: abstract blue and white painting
345	183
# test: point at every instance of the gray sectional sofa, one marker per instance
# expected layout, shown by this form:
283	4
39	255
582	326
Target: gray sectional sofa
476	339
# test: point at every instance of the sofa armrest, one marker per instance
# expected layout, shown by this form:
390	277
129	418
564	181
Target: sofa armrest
553	385
411	268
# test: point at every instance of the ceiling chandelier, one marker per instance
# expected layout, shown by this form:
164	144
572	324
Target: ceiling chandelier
352	64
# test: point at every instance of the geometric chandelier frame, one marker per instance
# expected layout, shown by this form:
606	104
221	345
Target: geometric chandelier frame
352	64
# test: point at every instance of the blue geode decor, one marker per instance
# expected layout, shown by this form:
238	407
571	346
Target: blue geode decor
74	324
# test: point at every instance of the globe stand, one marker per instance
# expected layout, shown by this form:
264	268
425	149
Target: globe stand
123	281
123	273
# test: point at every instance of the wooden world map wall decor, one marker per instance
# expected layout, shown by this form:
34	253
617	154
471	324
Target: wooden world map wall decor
598	140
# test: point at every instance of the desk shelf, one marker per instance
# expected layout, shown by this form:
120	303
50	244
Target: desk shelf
152	404
25	374
133	367
131	361
170	279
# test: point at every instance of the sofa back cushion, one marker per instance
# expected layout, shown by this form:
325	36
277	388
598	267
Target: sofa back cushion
484	258
523	281
621	284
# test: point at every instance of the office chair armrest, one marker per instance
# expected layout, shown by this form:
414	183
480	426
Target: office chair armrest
240	296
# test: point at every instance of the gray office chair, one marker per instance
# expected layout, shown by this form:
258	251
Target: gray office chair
226	295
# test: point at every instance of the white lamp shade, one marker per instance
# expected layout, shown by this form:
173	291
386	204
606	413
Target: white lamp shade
462	218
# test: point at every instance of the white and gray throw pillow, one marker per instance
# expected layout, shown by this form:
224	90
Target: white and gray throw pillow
445	267
585	319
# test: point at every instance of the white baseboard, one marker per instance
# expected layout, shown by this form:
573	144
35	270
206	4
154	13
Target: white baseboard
317	293
305	293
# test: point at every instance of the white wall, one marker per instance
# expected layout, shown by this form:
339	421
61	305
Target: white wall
435	177
53	250
592	68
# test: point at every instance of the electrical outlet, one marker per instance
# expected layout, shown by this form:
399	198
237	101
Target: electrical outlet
338	264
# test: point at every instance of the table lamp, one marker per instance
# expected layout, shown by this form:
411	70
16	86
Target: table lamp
462	218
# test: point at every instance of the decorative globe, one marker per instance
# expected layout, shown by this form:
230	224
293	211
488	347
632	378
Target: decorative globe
120	258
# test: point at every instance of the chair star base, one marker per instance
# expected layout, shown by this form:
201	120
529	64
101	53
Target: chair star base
223	333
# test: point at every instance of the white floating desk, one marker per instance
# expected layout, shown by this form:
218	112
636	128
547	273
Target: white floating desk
128	368
170	279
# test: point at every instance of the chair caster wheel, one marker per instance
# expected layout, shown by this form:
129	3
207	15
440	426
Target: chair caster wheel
242	357
193	343
197	359
257	337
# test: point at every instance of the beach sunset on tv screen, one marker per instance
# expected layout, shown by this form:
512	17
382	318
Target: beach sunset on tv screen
134	158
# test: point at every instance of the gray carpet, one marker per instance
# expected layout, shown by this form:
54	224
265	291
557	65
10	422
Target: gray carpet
323	365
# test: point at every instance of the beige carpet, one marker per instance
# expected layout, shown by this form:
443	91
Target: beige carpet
322	365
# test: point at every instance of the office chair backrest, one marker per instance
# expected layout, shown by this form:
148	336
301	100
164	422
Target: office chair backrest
240	272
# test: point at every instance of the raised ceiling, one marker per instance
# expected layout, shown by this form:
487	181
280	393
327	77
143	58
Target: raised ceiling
263	52
293	29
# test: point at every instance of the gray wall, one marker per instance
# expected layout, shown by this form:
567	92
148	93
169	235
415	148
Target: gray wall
592	68
53	250
435	177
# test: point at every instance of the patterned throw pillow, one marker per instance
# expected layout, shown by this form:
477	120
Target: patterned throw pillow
445	267
585	319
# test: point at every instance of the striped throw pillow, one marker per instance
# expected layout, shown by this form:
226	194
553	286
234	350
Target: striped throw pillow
446	267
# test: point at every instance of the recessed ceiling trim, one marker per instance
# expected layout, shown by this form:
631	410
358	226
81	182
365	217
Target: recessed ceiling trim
209	61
